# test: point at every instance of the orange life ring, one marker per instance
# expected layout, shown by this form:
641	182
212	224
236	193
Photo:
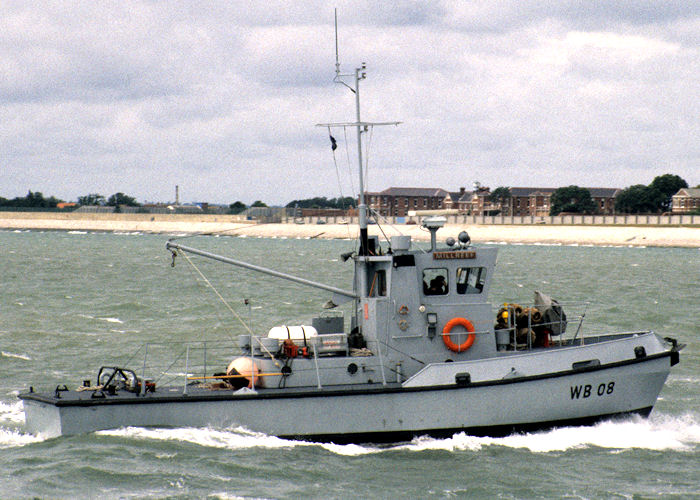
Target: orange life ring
448	328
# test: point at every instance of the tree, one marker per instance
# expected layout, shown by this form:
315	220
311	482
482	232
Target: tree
236	207
667	185
638	199
501	196
91	199
33	200
258	203
572	199
121	199
323	202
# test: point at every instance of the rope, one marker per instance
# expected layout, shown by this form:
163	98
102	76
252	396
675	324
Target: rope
235	314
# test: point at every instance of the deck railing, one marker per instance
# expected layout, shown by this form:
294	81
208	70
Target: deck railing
523	327
175	363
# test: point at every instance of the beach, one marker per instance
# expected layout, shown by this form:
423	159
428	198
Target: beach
615	235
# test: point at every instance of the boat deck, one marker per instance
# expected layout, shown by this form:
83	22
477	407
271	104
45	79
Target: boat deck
198	393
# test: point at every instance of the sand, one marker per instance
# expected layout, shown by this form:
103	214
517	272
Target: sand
616	235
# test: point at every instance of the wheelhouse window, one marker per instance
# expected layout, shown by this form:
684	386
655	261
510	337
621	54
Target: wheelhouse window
470	279
378	286
435	281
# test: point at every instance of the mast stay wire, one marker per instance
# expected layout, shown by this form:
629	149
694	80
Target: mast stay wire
337	175
347	154
350	176
368	146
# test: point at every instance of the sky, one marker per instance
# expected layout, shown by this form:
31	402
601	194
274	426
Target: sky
223	98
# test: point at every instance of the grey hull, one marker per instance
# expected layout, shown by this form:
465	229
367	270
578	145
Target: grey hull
375	413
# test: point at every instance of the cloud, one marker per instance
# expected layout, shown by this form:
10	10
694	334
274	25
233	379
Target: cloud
222	100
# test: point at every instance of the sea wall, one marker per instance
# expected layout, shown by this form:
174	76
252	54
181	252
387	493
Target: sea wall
567	220
571	234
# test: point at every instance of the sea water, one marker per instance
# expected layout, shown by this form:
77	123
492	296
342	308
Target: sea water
71	302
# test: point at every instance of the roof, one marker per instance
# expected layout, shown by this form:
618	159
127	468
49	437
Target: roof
461	196
415	192
603	192
530	191
688	192
596	192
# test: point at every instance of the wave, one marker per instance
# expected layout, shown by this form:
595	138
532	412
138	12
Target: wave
6	354
12	412
680	434
230	439
107	319
11	438
662	433
110	320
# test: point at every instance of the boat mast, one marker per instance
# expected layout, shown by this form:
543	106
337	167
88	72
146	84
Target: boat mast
361	127
358	75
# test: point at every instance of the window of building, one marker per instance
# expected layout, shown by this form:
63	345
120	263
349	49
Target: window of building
425	202
471	279
435	281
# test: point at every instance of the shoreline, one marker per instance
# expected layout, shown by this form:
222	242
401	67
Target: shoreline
649	236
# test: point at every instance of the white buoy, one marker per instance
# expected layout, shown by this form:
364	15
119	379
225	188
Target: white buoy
245	366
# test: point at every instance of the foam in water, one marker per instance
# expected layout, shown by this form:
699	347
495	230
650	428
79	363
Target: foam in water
13	355
13	412
680	434
664	433
111	320
233	439
9	438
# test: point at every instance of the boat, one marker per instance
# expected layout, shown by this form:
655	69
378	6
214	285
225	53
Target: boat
422	352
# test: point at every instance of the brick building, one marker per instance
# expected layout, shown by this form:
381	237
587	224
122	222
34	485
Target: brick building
397	201
685	201
524	201
536	201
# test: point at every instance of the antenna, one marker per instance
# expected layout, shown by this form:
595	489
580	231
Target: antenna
337	62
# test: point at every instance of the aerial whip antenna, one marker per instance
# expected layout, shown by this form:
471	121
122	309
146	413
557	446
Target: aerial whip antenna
338	76
337	61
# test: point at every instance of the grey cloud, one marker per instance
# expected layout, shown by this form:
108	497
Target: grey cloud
223	99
